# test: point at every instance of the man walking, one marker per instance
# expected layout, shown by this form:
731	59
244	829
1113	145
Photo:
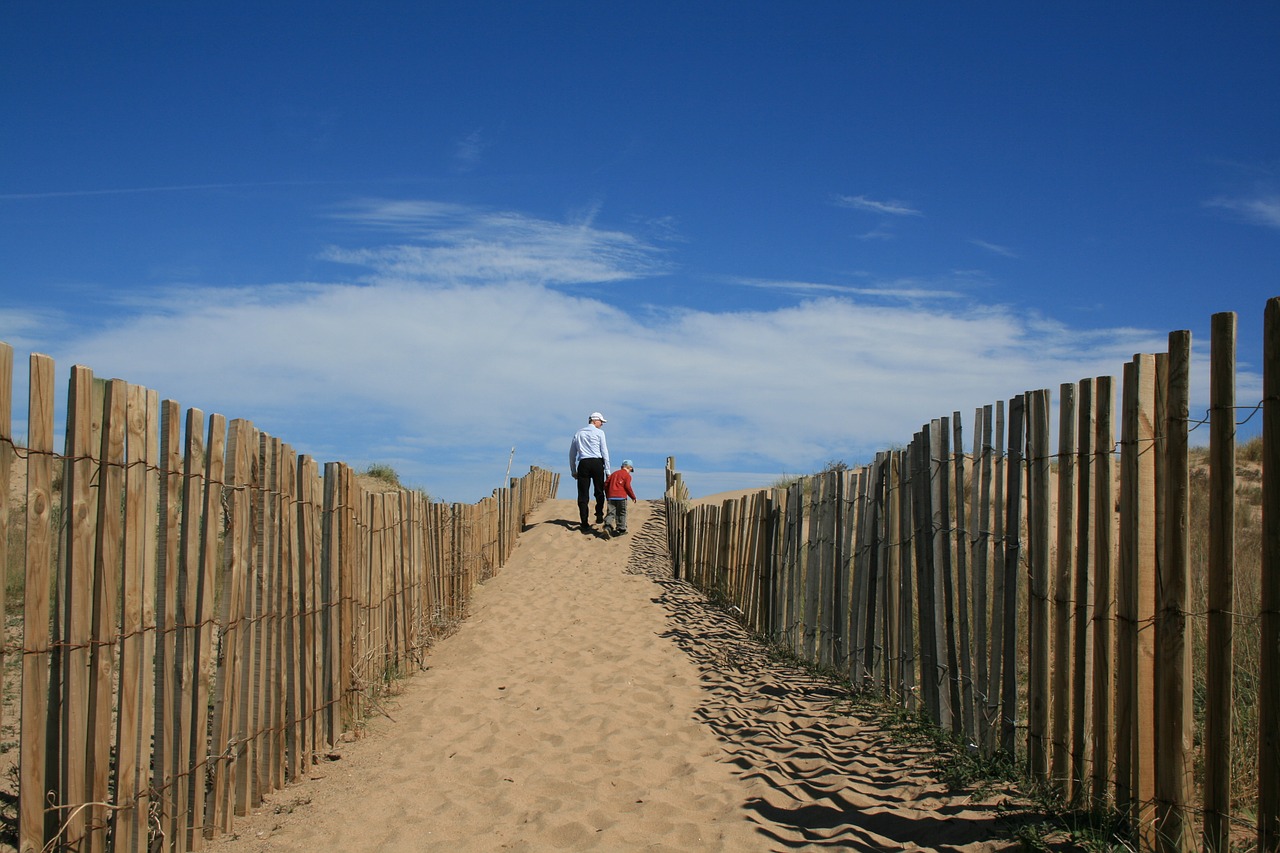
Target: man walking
589	465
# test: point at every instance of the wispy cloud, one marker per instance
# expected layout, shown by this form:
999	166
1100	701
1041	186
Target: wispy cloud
429	373
995	248
455	243
880	232
903	289
663	228
1259	210
469	150
892	208
450	344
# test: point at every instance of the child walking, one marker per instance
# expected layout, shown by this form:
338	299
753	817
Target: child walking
617	489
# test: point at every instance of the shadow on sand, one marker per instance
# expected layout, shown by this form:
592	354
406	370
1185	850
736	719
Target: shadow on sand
829	779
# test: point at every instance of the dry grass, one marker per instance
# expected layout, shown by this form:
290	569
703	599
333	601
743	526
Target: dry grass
1248	594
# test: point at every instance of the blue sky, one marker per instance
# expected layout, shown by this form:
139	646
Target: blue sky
758	236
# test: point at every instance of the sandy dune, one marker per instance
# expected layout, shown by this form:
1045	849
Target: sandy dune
590	704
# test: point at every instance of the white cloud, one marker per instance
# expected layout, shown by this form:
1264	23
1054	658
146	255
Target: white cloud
880	232
459	244
433	374
901	290
1259	210
26	328
995	248
893	207
469	150
453	349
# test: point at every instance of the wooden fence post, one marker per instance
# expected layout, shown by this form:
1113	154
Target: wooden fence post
104	630
1083	592
996	647
983	453
888	497
855	509
245	711
227	742
1065	664
1135	596
963	601
944	581
1012	557
133	729
1126	651
1039	500
1220	580
167	549
186	656
35	762
867	542
69	687
6	466
1269	607
1174	732
1104	661
906	573
814	565
926	605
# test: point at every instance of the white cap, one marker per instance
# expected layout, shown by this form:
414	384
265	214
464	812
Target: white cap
596	416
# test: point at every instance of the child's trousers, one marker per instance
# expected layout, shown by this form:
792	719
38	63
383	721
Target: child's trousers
617	517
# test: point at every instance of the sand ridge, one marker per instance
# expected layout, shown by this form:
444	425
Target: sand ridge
589	702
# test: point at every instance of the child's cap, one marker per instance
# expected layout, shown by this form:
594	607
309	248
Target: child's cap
626	463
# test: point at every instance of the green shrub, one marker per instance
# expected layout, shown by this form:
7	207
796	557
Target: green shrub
385	473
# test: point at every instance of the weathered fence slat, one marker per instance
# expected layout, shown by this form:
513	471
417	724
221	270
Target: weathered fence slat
926	605
998	518
133	729
1220	581
963	604
35	762
202	613
1104	593
105	605
69	688
1065	664
1082	593
6	467
944	581
186	655
1039	499
1269	607
982	533
1174	732
164	745
1012	556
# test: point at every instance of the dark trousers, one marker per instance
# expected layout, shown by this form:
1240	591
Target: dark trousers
590	471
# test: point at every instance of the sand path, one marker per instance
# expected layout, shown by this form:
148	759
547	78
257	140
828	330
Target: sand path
588	703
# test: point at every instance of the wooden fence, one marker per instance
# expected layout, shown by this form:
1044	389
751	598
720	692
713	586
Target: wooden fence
1035	601
205	612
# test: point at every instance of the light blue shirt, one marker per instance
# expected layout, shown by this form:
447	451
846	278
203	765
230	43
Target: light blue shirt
588	443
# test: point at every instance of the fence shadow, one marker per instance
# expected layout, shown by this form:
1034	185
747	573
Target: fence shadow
828	778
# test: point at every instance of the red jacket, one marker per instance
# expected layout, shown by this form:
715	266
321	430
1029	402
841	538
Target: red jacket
618	486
